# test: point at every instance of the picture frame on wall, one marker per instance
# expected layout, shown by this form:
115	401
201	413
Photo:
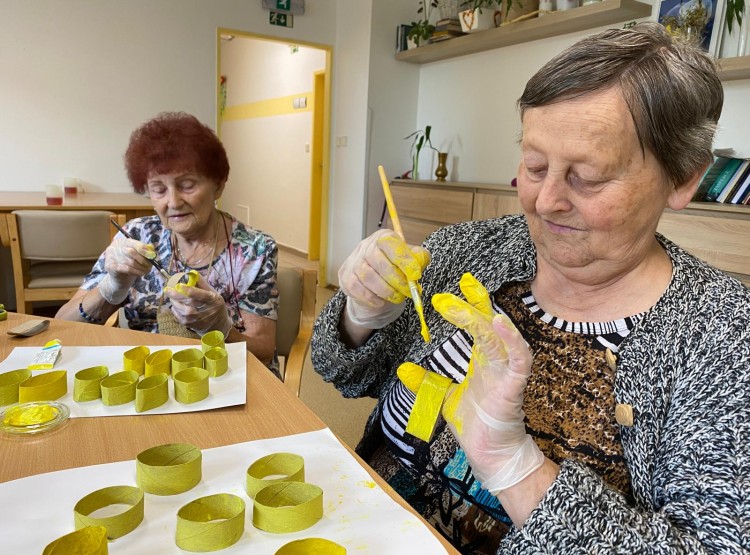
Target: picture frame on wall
695	19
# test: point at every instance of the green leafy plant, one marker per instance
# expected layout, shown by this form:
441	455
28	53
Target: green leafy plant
420	138
421	30
735	12
479	4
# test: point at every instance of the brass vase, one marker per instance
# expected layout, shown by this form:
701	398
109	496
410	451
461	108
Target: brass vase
441	172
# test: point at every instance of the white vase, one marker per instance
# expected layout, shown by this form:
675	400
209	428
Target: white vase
477	20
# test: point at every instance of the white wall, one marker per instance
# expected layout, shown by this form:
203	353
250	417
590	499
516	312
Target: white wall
79	75
471	103
351	62
392	99
270	163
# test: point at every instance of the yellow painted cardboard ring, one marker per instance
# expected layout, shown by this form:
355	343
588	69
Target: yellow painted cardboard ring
116	525
135	359
168	469
212	339
87	383
9	383
151	392
91	540
190	279
158	362
187	358
3	313
426	409
190	385
44	387
119	388
216	361
308	546
285	507
210	523
289	466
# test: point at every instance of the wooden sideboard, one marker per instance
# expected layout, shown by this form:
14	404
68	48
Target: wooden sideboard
717	233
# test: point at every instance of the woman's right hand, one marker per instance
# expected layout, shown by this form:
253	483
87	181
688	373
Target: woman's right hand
375	278
125	260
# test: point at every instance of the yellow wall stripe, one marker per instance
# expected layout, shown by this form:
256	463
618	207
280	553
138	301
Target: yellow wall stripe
266	108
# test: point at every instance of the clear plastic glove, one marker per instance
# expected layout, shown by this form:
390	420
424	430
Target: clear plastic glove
375	278
125	260
485	412
200	308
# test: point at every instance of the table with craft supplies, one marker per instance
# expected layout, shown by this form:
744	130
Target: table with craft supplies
48	480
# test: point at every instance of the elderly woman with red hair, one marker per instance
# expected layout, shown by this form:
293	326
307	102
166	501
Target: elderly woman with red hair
182	166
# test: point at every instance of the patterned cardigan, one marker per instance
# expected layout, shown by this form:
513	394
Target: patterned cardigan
685	369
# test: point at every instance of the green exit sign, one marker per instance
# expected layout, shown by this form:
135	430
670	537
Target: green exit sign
283	5
281	19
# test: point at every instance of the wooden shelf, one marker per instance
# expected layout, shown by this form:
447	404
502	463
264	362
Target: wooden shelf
731	69
590	16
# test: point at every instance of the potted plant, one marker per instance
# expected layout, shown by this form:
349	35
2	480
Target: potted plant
420	138
422	29
478	15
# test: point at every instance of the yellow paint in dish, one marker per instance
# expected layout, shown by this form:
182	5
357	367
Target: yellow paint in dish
31	415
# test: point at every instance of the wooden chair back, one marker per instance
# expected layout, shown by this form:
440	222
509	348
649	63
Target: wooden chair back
52	251
296	314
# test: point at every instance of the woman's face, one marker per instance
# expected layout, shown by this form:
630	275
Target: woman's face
184	201
591	196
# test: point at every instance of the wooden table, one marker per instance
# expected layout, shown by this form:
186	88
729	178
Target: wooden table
130	204
270	411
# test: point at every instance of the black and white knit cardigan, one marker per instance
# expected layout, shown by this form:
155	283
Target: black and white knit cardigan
685	369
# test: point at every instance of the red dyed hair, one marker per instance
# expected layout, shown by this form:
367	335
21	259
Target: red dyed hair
174	142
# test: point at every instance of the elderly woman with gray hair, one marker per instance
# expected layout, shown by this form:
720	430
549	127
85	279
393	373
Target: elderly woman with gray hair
597	375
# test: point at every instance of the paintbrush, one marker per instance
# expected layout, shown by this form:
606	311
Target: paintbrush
153	261
413	287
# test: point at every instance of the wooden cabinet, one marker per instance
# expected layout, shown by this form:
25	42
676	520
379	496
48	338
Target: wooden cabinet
717	233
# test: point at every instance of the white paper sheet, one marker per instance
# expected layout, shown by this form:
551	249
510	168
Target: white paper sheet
358	514
225	391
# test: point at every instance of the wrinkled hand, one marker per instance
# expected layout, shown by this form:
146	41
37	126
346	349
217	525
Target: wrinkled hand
200	308
125	260
485	412
375	278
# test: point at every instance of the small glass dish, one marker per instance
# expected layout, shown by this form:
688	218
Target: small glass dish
33	417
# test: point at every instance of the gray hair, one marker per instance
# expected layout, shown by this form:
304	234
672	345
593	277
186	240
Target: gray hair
671	88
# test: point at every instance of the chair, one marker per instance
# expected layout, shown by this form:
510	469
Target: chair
52	251
296	314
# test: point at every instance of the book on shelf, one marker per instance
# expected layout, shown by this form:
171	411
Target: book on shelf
402	33
743	190
438	36
723	178
709	177
731	187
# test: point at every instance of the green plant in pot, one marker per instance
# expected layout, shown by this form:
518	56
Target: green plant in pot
421	30
420	139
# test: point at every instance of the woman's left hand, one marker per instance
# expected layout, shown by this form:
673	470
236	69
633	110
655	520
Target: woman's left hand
200	308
